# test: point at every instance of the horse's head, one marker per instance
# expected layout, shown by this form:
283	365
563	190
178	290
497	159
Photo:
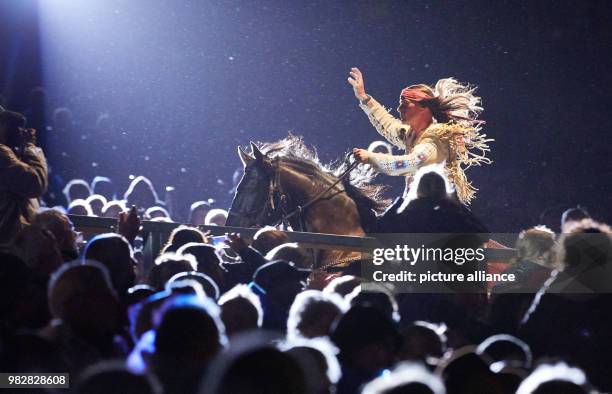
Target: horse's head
251	206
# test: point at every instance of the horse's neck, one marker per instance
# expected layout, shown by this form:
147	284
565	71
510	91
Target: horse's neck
334	213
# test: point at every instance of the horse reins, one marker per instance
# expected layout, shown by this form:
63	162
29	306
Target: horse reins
276	188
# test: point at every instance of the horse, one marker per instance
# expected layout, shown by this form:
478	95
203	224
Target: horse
281	177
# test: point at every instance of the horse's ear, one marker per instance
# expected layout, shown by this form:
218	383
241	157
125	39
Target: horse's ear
256	152
245	158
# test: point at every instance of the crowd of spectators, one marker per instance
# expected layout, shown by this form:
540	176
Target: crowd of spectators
259	318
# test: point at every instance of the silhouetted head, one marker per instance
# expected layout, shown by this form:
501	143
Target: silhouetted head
312	314
76	290
198	211
574	214
508	348
207	258
268	238
115	253
105	377
554	379
62	228
103	186
209	286
368	340
141	193
96	203
291	252
10	125
183	235
167	265
253	367
240	310
406	378
76	189
113	208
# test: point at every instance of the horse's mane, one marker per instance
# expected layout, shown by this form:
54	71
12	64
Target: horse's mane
358	186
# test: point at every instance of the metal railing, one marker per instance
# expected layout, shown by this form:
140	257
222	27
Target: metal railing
155	235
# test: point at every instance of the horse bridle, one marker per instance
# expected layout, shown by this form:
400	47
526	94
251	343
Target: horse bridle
277	193
277	200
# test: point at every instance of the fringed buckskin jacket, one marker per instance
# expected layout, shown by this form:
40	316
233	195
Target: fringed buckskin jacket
452	143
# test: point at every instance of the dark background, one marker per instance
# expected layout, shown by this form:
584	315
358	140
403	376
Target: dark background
182	83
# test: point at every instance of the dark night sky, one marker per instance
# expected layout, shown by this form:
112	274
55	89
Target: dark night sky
185	82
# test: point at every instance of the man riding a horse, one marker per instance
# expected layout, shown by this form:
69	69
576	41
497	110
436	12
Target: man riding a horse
285	182
437	125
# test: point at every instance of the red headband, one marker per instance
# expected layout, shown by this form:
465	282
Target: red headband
414	94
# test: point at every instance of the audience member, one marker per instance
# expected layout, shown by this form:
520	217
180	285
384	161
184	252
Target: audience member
80	207
555	379
167	265
241	310
189	335
216	217
291	252
183	235
103	186
76	290
23	175
368	342
252	368
406	378
142	194
277	283
113	208
208	285
156	212
208	261
313	313
198	212
76	189
96	203
423	342
107	377
115	253
62	229
268	238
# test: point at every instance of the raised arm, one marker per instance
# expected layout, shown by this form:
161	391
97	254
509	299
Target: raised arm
26	177
387	125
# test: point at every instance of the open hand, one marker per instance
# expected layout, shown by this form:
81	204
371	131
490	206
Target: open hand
128	224
356	81
236	242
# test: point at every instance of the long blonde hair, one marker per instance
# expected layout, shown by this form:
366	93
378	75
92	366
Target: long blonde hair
451	100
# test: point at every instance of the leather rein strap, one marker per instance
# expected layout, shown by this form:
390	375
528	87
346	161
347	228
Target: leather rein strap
277	190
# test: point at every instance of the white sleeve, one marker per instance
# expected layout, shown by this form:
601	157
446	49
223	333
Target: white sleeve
419	156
